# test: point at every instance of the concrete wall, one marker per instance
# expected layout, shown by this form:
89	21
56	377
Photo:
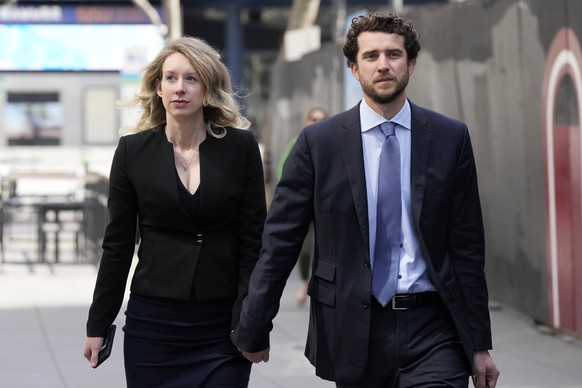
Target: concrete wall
296	87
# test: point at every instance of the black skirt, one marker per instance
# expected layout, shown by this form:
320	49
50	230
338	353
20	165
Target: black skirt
174	344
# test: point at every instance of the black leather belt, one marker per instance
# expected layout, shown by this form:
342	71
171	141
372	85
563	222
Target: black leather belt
411	301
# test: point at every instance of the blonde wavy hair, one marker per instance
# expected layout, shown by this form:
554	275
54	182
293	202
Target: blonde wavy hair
220	107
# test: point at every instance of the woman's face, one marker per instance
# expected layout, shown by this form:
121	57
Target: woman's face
180	88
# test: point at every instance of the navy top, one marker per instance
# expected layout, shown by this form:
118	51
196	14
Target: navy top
190	202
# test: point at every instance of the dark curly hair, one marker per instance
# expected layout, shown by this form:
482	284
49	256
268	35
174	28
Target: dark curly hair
383	22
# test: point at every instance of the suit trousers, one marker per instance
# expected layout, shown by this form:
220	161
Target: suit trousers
419	347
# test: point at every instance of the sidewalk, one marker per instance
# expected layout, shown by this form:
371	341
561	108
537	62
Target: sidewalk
42	331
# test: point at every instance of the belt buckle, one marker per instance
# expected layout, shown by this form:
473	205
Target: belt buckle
394	307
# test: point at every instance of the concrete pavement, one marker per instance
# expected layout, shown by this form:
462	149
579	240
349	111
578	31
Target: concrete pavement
42	319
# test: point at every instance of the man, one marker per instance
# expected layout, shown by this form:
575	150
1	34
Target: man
435	332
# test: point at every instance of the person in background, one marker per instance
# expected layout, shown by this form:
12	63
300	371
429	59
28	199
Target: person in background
398	290
313	115
190	178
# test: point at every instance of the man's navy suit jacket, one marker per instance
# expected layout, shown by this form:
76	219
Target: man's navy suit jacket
323	180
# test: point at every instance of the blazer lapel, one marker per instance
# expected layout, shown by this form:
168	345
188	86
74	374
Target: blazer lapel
421	141
351	149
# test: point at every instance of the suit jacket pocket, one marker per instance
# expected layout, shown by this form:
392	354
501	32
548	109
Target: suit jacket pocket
321	286
324	269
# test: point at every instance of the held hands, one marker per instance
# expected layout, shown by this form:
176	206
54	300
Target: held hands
92	348
485	374
262	356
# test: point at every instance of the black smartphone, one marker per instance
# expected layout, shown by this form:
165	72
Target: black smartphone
105	351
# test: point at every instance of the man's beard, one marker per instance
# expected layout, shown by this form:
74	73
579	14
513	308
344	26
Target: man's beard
385	99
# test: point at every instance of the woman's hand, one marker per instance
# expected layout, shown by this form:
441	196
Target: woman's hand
91	350
262	356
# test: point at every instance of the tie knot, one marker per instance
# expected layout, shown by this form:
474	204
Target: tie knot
388	127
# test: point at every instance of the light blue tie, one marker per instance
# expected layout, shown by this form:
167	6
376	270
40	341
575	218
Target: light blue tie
388	219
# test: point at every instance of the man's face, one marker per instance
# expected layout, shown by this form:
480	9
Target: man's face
382	66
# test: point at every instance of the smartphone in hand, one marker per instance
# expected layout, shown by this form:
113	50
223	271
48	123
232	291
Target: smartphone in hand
105	351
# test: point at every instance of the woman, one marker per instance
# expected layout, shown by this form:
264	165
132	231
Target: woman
192	181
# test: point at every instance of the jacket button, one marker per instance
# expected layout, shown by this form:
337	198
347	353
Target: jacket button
366	305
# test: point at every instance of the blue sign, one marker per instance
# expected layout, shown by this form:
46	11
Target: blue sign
48	47
55	14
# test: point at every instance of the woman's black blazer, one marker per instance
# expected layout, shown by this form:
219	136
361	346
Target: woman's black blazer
210	258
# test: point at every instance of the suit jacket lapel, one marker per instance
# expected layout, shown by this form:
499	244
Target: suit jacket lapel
351	149
421	141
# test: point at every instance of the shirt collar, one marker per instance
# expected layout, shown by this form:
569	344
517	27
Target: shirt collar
370	119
